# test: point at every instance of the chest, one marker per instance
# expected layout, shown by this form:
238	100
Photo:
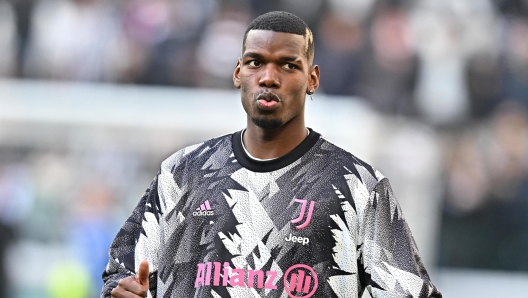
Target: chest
268	231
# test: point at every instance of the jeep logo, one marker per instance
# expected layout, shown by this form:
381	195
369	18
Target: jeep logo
297	239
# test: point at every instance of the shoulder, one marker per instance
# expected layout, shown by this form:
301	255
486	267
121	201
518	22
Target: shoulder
197	152
356	167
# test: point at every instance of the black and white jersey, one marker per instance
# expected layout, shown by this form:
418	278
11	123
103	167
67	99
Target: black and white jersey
316	222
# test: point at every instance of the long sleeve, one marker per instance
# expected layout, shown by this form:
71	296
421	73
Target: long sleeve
137	240
392	265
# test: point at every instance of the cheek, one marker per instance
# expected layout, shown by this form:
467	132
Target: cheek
246	93
297	96
301	81
245	96
245	84
244	88
298	89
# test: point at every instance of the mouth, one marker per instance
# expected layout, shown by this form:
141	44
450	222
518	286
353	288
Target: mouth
268	101
268	96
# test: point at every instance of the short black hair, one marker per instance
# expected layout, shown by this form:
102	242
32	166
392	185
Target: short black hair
282	21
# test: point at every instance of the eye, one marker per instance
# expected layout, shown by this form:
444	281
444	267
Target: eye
289	66
254	63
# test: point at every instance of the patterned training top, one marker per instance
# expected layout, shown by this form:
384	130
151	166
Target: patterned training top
316	222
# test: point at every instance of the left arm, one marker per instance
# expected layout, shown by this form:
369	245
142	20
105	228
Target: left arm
392	266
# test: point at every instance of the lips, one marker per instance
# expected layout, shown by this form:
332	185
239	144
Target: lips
267	105
268	101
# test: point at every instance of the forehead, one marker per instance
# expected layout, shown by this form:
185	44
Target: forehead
271	42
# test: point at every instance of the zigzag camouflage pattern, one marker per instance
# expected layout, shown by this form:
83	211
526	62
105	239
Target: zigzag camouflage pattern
316	223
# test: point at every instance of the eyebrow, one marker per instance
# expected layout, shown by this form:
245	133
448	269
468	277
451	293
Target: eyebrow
259	56
252	55
291	59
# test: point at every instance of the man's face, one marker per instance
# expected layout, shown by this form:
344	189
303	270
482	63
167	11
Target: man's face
274	76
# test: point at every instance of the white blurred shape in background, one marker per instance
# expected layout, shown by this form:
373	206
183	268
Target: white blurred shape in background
55	50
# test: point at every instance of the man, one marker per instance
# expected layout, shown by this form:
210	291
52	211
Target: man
274	210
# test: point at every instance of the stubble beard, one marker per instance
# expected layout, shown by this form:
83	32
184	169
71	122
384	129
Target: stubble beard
266	123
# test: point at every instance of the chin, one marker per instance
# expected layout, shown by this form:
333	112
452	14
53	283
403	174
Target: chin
266	123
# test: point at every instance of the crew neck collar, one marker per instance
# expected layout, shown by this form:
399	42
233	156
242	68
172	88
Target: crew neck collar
273	164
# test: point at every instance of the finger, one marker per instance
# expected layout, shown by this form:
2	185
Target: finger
143	273
129	288
120	293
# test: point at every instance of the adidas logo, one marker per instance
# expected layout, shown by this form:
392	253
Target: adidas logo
204	210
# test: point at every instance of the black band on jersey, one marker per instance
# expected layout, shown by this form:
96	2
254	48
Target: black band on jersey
277	163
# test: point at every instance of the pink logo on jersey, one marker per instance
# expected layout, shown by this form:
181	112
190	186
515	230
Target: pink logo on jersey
301	216
205	206
204	209
304	281
234	277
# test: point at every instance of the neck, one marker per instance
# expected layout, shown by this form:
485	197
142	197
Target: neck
272	143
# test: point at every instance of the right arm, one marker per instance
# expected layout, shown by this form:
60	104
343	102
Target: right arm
137	240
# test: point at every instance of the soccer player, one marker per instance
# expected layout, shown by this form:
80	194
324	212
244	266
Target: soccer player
273	210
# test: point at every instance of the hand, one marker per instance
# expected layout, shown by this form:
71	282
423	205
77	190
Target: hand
134	286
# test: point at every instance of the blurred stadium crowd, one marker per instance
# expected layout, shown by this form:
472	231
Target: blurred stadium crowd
446	61
460	67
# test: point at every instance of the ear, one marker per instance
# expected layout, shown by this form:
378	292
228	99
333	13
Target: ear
313	79
236	75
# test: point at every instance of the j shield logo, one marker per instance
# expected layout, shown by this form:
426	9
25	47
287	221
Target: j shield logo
301	216
204	210
302	282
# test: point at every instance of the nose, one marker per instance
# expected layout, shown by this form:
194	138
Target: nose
269	77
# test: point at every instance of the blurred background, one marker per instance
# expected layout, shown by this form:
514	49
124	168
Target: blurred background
95	94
